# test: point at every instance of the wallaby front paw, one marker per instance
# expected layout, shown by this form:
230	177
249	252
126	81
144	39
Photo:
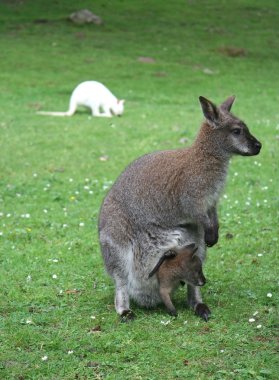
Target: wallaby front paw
127	316
211	237
203	311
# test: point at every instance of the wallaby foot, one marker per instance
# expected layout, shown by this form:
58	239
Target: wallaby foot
172	312
203	311
195	302
127	316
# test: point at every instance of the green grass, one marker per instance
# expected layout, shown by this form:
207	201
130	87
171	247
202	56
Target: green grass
52	183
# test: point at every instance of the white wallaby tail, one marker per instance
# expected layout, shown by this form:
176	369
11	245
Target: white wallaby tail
48	113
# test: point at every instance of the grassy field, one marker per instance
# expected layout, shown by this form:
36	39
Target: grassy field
57	313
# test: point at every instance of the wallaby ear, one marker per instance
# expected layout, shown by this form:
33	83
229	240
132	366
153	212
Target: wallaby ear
192	248
227	105
210	111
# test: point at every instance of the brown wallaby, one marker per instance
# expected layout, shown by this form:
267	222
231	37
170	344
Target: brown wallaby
166	200
179	265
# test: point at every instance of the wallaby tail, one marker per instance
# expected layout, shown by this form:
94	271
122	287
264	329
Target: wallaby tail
48	113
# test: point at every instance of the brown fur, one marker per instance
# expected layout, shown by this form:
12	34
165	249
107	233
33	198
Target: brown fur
180	265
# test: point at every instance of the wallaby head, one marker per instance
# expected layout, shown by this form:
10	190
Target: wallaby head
192	266
228	134
117	109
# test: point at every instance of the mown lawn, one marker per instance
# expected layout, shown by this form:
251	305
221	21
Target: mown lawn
57	313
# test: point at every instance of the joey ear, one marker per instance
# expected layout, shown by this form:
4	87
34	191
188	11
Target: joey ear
190	246
210	111
227	104
192	249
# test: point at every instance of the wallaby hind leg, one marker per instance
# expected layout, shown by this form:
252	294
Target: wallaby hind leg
165	295
121	301
195	302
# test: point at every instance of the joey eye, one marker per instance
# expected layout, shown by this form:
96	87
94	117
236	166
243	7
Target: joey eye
236	131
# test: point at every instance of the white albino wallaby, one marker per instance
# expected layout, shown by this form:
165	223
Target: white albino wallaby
176	266
95	96
166	200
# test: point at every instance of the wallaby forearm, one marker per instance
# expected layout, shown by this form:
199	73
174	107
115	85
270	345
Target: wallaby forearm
210	224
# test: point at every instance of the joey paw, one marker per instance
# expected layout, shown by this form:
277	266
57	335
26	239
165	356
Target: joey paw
173	312
127	316
203	311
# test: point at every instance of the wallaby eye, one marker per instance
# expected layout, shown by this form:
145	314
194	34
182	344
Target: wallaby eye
236	131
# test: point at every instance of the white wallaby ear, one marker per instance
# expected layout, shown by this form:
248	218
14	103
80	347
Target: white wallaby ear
210	111
227	105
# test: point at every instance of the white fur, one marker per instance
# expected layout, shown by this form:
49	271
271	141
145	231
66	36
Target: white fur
95	96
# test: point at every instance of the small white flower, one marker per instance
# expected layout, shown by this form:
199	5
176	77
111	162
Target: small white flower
251	320
86	187
54	276
269	295
44	358
81	224
35	175
260	254
29	278
165	323
29	322
222	351
256	313
60	291
45	211
236	202
70	352
70	179
93	317
185	322
8	215
247	203
55	260
86	180
90	192
265	200
225	196
77	192
259	326
65	225
1	213
236	174
1	233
